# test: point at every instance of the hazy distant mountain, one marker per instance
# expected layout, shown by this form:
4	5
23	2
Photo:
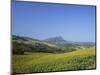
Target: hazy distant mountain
59	41
56	40
85	43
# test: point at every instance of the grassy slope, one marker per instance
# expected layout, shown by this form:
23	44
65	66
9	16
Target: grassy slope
46	62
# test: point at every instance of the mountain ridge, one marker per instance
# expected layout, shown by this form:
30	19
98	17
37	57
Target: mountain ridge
56	40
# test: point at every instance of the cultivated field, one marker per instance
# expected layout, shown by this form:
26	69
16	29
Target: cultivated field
48	62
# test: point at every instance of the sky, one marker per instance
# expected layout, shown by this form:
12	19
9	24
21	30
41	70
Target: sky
45	20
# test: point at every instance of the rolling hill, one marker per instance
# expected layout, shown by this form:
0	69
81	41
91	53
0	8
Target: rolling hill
51	45
26	44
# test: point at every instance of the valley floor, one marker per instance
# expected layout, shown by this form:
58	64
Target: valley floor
49	62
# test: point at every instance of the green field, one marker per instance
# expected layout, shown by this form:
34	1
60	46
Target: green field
48	62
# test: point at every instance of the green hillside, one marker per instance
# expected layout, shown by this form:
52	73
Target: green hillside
26	44
22	44
48	62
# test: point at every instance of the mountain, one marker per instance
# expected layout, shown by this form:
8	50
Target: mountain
50	45
25	44
68	45
56	40
29	40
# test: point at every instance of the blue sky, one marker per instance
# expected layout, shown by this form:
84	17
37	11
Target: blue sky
41	21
